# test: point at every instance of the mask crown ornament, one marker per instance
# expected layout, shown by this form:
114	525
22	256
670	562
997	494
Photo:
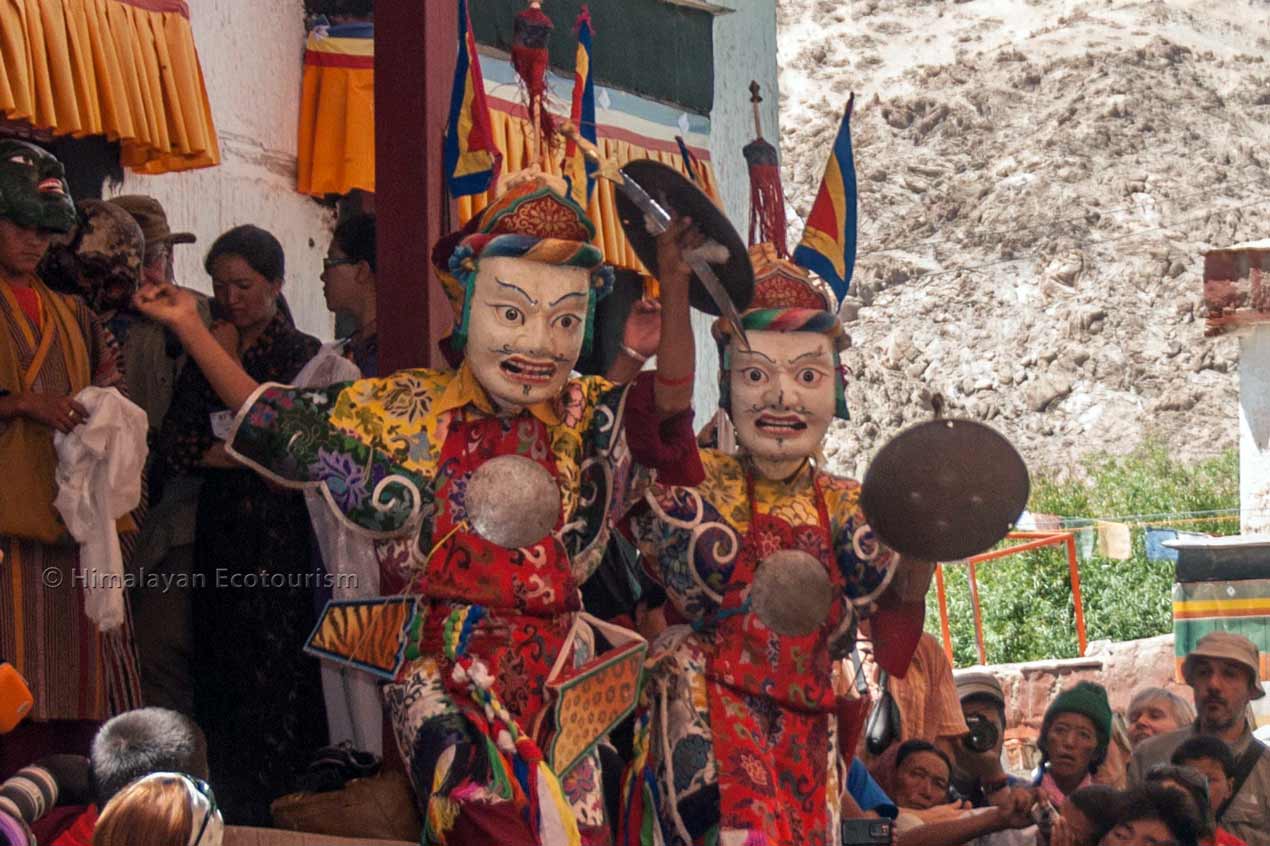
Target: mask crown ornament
786	299
533	219
33	189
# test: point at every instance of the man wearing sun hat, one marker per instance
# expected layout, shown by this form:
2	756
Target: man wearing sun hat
153	220
153	359
1223	671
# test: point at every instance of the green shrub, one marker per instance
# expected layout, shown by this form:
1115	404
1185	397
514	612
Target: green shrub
1026	599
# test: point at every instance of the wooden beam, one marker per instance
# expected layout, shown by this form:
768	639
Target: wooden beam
415	48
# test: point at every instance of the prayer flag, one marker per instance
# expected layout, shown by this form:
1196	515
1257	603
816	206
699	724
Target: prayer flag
1156	550
829	238
1155	538
471	159
582	113
1114	541
1085	537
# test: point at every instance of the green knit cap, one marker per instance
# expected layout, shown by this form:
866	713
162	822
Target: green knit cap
1085	698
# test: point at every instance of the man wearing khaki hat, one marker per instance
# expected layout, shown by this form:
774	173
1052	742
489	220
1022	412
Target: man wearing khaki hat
162	624
153	220
1223	672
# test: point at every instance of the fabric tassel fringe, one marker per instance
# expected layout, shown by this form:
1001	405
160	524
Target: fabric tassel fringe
529	58
767	196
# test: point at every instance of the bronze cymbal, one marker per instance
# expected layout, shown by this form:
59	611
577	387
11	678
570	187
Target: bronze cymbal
676	193
945	490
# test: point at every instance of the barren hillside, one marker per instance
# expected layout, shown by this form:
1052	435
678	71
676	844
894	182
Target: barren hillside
1038	182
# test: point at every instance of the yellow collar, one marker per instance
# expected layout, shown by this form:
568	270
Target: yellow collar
465	390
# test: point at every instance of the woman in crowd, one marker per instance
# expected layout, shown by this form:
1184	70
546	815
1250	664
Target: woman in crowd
257	697
1075	734
1154	710
348	283
51	347
354	705
163	809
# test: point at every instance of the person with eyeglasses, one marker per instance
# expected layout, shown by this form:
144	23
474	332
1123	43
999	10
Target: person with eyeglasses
162	809
348	284
1075	735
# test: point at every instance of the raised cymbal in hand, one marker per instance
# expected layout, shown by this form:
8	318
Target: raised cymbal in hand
673	245
167	304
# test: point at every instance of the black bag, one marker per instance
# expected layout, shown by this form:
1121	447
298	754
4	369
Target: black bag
1243	768
883	726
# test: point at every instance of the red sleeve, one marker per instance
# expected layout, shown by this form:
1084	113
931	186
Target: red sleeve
668	446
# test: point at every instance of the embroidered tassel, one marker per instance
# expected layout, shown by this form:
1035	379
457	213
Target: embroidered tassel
556	823
551	816
529	57
767	196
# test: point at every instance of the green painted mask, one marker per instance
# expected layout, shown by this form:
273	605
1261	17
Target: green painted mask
33	189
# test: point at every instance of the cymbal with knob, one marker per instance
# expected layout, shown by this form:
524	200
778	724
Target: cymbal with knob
945	490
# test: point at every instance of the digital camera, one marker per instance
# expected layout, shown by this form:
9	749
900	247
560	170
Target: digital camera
983	734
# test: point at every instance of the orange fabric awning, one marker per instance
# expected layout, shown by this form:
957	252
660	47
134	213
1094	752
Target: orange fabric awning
336	144
510	127
124	69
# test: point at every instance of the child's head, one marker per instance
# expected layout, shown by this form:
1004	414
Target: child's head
1090	811
1150	813
161	809
1212	757
147	740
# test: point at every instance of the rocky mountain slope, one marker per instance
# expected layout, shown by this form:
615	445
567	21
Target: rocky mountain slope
1038	182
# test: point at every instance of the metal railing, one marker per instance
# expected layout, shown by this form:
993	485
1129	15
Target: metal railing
1032	541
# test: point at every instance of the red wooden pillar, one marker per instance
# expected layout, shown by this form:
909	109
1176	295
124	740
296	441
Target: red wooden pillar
415	48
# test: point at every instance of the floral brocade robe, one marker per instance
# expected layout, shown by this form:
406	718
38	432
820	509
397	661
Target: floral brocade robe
393	455
738	724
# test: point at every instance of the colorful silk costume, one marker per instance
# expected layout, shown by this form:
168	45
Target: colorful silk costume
739	733
397	456
395	453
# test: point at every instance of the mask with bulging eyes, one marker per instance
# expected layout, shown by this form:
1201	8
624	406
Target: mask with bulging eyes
783	393
526	327
33	189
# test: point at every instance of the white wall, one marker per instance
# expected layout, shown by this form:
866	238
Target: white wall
251	53
1254	430
744	50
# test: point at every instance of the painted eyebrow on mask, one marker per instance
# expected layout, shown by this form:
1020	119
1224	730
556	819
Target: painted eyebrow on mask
518	290
819	355
753	352
565	297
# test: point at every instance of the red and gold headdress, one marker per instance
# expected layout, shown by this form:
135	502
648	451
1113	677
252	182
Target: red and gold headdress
534	219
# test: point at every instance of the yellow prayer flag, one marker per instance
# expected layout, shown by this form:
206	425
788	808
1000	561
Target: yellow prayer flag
1114	541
